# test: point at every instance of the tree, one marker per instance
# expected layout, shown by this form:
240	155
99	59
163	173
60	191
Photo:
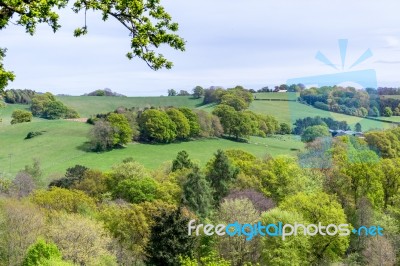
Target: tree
136	190
285	129
358	127
80	239
5	76
122	131
193	121
181	161
41	251
183	93
22	185
291	251
155	125
235	248
387	112
234	101
172	92
101	136
319	207
181	123
198	92
21	116
197	194
220	173
73	175
169	239
148	23
314	132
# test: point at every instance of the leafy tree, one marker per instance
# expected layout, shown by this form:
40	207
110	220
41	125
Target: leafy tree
235	248
169	239
22	185
60	199
21	116
101	136
148	23
5	76
315	208
232	100
358	127
193	121
390	180
80	239
41	251
93	183
21	224
220	173
197	194
129	226
314	132
155	125
198	92
73	175
122	132
35	171
387	112
237	124
181	161
181	123
183	93
172	92
136	190
46	106
295	250
284	129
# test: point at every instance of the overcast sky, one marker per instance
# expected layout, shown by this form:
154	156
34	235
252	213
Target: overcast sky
254	43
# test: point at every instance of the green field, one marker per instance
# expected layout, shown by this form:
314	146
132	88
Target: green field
91	105
290	111
276	95
61	146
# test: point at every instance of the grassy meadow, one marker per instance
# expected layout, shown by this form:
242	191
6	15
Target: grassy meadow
62	144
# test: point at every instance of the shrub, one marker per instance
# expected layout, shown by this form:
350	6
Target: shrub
21	116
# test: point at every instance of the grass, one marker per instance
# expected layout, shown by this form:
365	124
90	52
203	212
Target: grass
289	112
276	95
60	147
91	105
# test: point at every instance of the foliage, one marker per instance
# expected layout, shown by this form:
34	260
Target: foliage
80	240
198	92
220	173
122	132
21	116
210	125
102	136
46	106
197	194
19	96
5	76
291	251
181	123
22	185
60	199
136	190
284	128
105	92
387	112
181	161
313	132
319	207
172	92
72	176
302	124
155	125
33	134
93	183
41	251
193	121
169	239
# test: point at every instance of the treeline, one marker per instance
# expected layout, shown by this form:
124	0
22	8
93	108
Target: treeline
48	107
19	96
351	101
302	123
137	216
156	125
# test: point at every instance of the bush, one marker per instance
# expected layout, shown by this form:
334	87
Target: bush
21	116
33	134
314	132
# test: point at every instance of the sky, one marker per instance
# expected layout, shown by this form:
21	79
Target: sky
253	43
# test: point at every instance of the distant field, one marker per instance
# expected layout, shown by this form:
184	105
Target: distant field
90	105
391	96
60	147
290	111
277	95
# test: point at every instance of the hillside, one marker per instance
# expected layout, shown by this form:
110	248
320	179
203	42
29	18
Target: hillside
90	105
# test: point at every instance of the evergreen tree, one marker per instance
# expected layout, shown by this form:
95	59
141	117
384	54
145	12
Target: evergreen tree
169	239
220	174
181	161
197	194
